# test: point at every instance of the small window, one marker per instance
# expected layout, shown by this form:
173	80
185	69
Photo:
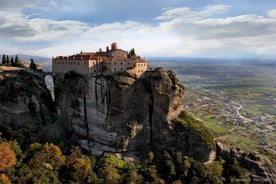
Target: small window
121	69
78	63
114	63
128	63
114	69
121	63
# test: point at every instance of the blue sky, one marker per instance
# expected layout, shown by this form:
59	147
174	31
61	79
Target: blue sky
156	28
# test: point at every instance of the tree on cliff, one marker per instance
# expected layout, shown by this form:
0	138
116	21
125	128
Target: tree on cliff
4	59
131	54
8	62
33	65
12	62
16	61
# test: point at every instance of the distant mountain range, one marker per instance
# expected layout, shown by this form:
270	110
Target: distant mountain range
45	62
190	60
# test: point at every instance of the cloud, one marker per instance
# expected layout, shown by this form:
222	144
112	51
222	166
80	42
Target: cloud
15	4
180	31
53	4
272	13
185	13
213	35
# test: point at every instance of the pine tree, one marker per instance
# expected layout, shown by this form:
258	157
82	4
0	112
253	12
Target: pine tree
32	65
12	62
17	61
132	53
4	60
8	63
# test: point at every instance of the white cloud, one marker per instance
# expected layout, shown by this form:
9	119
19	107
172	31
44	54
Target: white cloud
180	32
53	4
272	13
213	36
185	13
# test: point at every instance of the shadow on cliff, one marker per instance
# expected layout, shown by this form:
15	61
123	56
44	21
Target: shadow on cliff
28	112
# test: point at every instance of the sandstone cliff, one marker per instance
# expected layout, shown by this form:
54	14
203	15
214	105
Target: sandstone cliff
26	103
119	113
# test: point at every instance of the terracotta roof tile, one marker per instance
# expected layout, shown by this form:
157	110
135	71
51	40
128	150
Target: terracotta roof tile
120	58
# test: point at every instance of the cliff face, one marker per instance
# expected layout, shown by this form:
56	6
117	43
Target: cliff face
25	100
119	113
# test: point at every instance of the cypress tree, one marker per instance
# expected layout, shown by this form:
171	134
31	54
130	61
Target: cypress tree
8	62
132	53
17	61
4	59
33	65
12	62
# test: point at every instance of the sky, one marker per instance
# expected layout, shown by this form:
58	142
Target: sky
154	28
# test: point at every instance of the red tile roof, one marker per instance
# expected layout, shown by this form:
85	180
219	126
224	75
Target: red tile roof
84	56
120	58
140	61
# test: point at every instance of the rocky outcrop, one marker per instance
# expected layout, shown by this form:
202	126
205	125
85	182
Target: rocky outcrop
26	95
119	113
259	169
26	103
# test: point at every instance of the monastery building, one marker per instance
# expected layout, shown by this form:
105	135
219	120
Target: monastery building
100	62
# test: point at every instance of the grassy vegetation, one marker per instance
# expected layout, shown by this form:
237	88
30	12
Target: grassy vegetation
187	120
